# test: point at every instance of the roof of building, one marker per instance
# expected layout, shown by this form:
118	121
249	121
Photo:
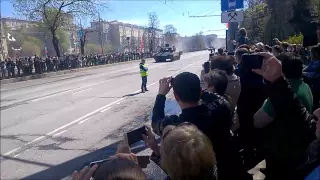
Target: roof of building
116	22
16	20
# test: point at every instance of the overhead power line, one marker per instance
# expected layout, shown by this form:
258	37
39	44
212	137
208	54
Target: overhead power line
203	16
165	3
203	12
216	30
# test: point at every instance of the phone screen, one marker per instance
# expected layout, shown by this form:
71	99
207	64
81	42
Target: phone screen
250	62
99	163
136	135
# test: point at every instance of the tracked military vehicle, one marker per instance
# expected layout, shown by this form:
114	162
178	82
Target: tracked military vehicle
167	53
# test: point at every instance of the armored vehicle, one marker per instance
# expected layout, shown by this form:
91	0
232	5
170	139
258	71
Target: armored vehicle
167	53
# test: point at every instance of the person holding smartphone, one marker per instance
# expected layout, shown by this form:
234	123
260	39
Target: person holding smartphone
213	119
123	165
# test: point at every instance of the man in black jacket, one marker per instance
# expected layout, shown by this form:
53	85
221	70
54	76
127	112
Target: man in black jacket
289	135
213	119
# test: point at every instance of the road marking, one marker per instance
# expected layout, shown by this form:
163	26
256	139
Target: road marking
104	110
83	121
49	96
106	107
37	139
80	88
16	155
12	151
59	133
82	91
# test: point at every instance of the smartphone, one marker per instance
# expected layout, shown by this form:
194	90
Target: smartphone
99	163
136	135
172	80
251	61
143	161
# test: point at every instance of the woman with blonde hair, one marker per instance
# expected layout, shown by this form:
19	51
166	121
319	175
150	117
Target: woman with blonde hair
185	153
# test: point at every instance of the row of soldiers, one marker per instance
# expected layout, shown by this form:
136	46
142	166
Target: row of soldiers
22	66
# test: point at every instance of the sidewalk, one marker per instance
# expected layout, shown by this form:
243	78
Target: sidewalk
50	74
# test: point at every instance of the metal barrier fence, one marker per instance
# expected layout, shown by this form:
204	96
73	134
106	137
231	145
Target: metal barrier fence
36	65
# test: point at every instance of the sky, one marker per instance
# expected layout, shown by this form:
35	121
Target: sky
175	12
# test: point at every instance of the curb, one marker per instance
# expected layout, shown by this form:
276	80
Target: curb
50	74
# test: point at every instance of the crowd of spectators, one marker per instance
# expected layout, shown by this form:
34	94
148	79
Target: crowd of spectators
233	118
23	66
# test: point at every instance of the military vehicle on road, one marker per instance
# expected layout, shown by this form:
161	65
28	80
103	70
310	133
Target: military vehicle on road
167	53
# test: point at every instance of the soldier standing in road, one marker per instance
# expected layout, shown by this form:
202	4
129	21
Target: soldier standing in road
144	75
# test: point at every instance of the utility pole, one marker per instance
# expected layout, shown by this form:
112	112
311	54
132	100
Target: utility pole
232	31
100	33
227	7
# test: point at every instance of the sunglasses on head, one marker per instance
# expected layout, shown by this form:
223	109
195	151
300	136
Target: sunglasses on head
180	125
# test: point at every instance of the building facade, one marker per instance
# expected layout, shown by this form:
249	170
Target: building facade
14	23
123	37
31	29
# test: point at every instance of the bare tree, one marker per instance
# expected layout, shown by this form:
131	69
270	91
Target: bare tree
99	29
83	37
154	24
170	34
145	39
198	42
56	14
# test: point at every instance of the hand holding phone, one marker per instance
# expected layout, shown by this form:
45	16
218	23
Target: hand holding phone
85	173
136	135
251	61
164	85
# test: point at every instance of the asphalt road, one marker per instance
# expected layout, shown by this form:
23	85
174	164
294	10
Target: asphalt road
54	125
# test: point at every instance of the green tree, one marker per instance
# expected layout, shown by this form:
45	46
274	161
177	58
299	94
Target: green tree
288	17
316	8
108	47
92	48
295	39
56	14
30	48
64	40
254	21
35	41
